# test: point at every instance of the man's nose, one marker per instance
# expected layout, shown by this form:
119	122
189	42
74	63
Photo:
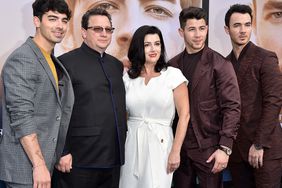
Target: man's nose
243	29
104	33
124	38
127	28
197	32
60	24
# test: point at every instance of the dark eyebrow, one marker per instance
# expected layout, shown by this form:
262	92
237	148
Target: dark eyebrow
52	16
239	23
272	4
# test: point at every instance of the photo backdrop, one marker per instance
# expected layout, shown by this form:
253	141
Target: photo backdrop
17	24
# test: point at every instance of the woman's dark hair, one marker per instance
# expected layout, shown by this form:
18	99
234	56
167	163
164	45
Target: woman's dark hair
136	53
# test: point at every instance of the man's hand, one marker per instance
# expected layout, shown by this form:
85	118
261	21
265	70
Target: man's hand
173	161
41	177
221	160
65	163
255	157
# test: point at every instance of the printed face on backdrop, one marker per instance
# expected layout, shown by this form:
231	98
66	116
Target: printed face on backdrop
268	25
239	29
194	34
127	16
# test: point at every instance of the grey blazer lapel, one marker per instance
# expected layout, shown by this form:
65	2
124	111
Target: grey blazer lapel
64	79
45	66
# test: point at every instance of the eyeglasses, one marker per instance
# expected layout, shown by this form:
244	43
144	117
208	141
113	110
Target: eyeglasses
99	29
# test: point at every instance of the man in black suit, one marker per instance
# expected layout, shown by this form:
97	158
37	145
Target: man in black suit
94	149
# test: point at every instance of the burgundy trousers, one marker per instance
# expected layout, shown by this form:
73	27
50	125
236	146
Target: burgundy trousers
193	164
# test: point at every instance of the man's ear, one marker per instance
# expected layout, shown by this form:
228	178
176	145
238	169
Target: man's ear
83	33
36	21
226	29
181	32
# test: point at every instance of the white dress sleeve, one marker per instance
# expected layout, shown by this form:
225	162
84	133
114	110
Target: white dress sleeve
126	80
175	77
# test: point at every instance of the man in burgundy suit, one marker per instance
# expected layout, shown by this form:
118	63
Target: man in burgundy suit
256	160
214	105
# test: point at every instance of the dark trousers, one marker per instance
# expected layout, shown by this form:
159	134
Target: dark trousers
2	184
268	176
87	178
193	164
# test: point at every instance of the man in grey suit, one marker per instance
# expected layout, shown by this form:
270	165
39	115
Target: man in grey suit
37	101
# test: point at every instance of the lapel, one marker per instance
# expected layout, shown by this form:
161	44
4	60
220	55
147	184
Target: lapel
45	66
245	62
201	68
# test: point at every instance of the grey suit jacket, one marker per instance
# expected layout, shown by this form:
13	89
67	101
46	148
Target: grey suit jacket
32	103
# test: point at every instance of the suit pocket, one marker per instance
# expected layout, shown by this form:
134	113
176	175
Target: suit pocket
209	114
208	105
85	131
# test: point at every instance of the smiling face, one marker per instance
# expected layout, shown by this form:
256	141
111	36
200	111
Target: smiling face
239	29
268	25
194	34
50	29
152	48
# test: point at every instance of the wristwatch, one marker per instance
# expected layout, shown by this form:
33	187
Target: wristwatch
226	150
258	146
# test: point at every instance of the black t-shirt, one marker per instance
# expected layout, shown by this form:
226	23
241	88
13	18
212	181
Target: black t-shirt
236	62
189	67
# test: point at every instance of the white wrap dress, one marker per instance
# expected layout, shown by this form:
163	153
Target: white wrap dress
151	110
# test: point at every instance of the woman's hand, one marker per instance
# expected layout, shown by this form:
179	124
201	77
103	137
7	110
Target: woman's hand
173	161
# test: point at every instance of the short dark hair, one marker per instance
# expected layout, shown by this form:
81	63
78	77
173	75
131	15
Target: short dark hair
136	52
237	8
40	7
94	12
192	13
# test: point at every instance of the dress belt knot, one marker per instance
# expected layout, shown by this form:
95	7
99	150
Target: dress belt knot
148	143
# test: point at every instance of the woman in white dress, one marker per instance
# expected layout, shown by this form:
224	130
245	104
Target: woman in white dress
153	91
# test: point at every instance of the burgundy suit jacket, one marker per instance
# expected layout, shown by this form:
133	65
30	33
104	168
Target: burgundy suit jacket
215	99
260	83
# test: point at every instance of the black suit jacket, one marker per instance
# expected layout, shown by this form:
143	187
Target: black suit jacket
97	129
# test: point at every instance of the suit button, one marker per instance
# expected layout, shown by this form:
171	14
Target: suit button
58	118
54	140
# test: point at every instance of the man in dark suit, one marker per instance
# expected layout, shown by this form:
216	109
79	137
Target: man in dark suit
214	105
256	160
94	148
